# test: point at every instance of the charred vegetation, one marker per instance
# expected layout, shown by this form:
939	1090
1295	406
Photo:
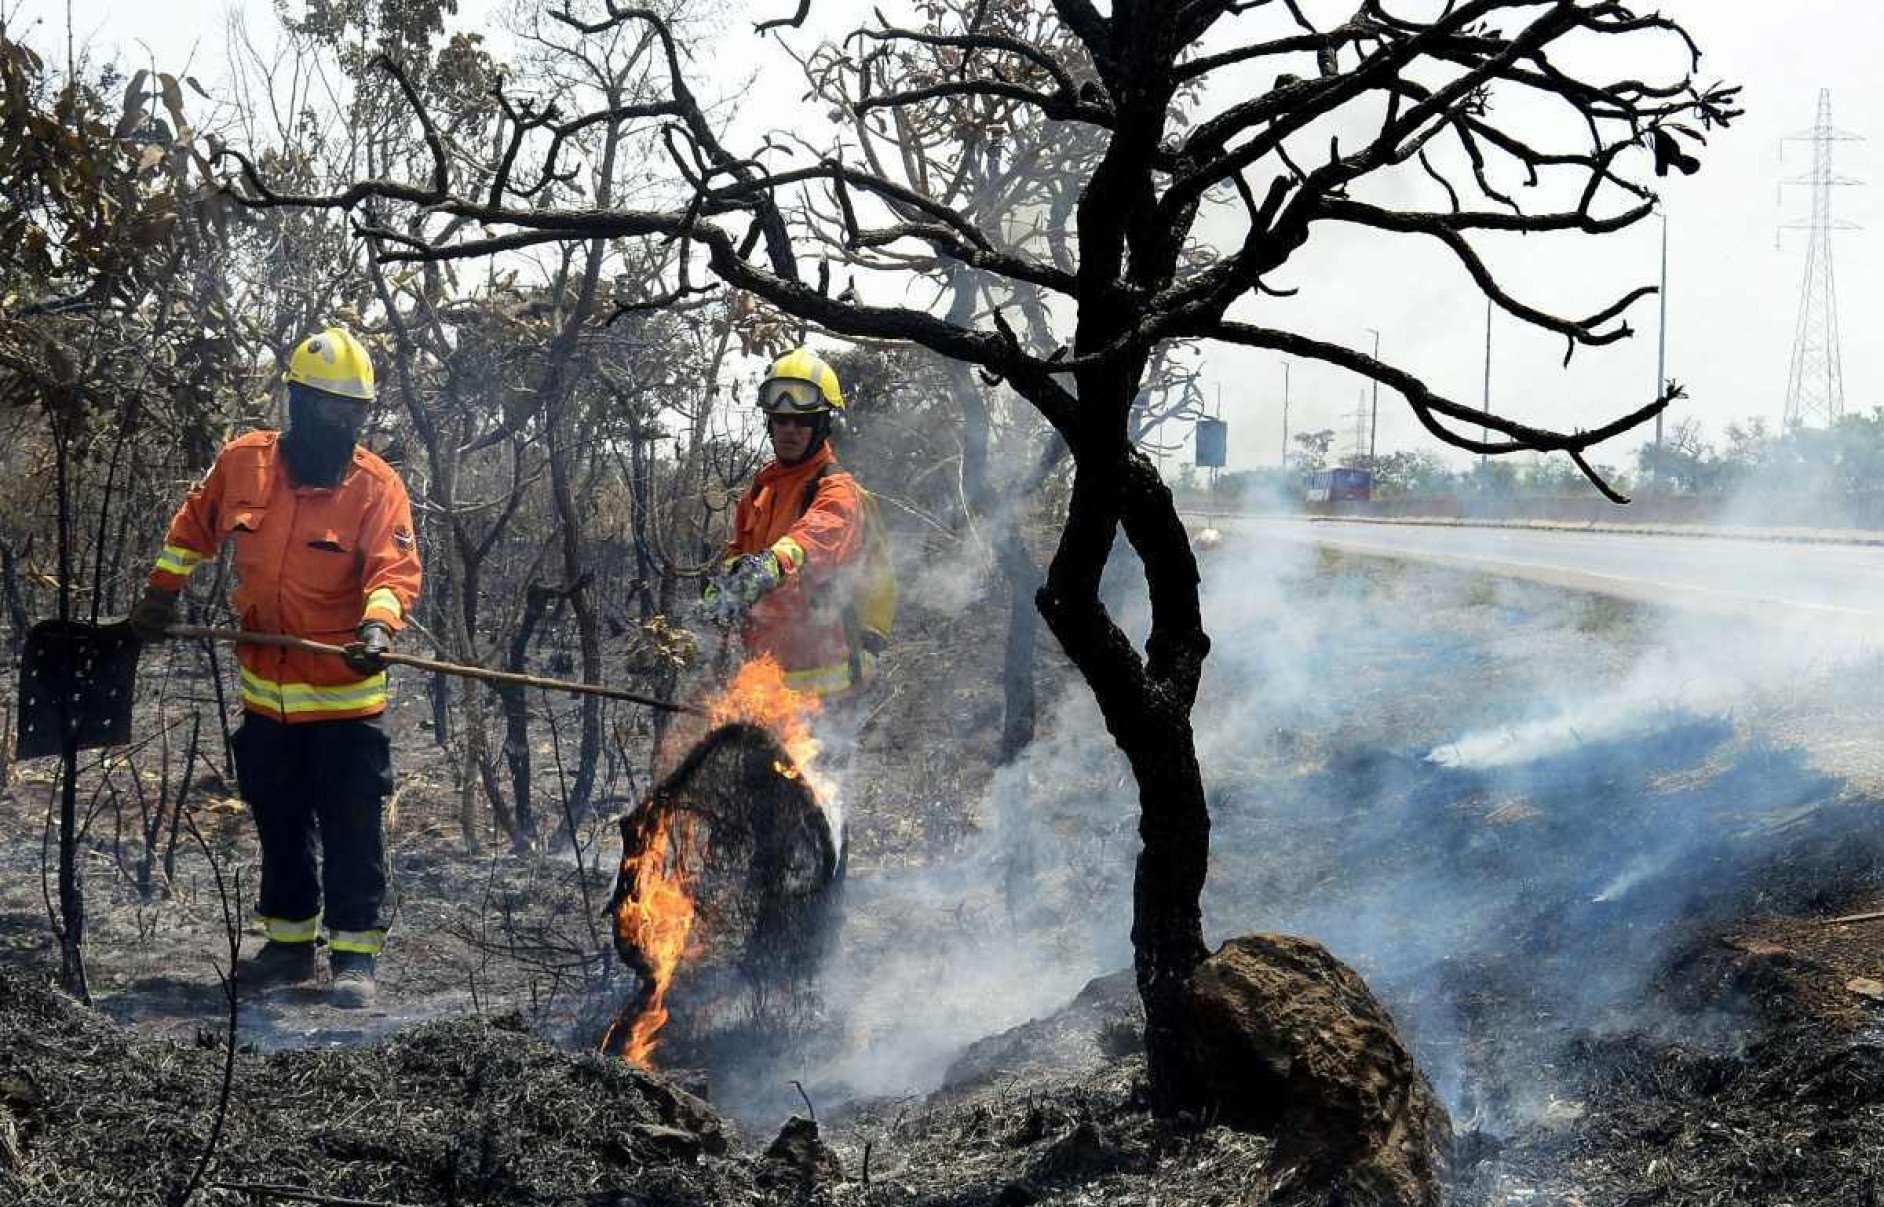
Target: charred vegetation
562	279
1130	277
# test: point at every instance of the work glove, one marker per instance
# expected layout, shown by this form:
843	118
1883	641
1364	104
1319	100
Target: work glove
367	656
153	615
751	575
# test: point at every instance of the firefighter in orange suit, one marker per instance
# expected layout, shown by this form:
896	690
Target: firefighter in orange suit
797	532
325	550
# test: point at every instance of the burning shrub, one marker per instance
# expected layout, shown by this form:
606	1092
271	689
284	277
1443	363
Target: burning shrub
728	865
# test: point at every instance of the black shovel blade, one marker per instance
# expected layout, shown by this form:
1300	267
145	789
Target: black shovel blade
76	684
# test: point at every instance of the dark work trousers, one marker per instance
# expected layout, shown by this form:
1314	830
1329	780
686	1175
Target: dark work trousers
327	780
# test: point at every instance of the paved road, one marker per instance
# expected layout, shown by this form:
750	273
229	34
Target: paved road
1835	582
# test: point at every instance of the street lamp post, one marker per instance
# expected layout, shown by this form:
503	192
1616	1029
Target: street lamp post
1484	432
1661	354
1285	416
1373	423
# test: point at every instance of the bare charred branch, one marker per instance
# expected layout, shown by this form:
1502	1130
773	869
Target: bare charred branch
1447	227
260	196
997	43
1083	19
1057	107
1317	43
441	166
1429	406
795	21
1608	492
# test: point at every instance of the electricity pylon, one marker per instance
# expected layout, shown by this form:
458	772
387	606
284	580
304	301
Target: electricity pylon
1815	386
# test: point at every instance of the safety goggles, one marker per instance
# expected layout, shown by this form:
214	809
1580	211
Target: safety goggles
791	396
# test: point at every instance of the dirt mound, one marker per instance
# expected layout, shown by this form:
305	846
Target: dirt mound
1287	1040
1104	1023
468	1111
1056	1110
1086	1140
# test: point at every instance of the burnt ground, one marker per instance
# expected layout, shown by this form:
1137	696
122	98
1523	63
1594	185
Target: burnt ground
1593	906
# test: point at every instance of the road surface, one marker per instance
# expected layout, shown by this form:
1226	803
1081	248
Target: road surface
1750	577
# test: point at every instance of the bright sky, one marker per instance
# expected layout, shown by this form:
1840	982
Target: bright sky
1734	282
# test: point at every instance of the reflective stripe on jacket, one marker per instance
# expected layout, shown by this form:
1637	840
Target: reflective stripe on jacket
313	562
801	622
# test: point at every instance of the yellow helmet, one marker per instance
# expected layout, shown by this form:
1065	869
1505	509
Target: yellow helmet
800	383
334	361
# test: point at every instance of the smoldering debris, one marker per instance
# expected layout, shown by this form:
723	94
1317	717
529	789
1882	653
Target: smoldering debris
1498	905
470	1110
927	962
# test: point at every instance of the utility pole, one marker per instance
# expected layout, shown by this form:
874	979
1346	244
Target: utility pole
1661	354
1285	416
1373	427
1484	431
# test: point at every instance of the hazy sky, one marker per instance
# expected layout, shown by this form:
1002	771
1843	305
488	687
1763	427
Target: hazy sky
1734	282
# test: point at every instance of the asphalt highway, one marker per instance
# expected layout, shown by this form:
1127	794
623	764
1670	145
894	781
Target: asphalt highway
1722	574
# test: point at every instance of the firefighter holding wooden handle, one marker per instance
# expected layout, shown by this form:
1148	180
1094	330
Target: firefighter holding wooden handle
325	550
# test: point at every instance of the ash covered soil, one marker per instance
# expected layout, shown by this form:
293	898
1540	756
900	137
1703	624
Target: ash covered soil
1582	850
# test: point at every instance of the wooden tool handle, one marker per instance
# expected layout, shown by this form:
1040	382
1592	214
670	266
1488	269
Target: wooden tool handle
393	658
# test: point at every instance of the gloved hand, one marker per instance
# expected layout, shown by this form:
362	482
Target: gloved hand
154	614
367	655
749	577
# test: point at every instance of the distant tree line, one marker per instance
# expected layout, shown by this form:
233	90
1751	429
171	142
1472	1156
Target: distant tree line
1751	459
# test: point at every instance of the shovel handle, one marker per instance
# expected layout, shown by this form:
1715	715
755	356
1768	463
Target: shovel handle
393	658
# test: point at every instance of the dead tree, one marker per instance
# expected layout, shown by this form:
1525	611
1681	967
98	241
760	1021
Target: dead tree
1379	98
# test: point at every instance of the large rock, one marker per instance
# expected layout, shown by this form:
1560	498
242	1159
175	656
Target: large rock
1281	1037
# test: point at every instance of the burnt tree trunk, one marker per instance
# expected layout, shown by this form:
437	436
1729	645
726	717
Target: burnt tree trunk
588	628
17	617
516	701
1146	703
641	502
1126	257
1023	620
1020	707
1128	254
563	440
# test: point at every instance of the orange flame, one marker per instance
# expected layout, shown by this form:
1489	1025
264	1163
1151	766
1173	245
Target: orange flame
657	918
758	695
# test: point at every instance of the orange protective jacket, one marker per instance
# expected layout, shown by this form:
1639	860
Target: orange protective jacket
801	622
313	562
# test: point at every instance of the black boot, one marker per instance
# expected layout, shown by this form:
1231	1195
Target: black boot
276	964
354	988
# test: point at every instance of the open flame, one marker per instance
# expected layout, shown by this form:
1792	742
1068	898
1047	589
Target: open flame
758	695
657	918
